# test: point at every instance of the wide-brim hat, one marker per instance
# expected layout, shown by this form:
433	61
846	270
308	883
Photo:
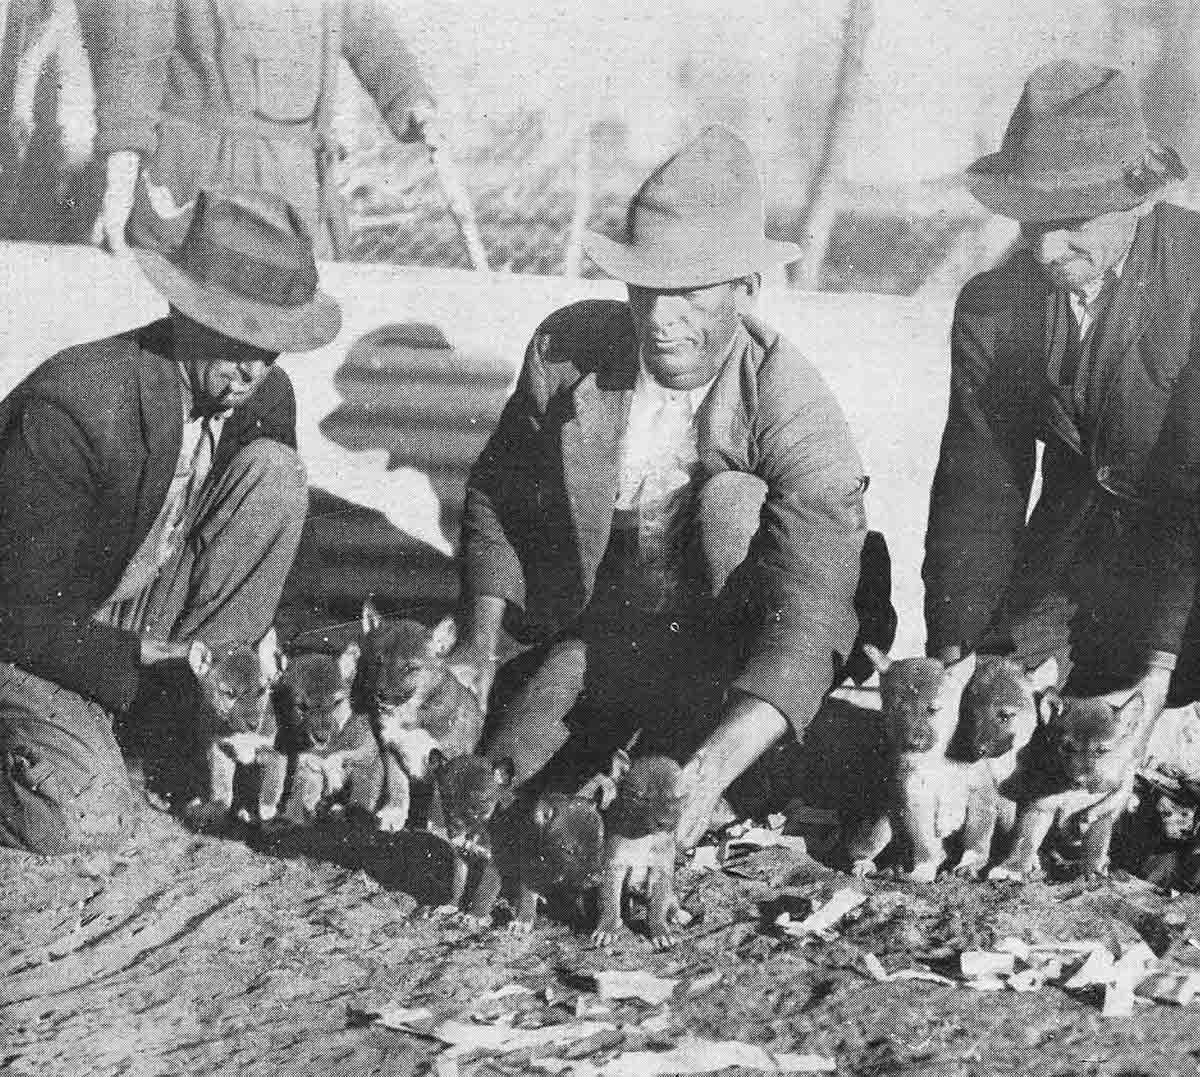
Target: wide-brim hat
696	221
1076	147
246	269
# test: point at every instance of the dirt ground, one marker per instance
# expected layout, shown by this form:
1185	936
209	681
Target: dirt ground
199	954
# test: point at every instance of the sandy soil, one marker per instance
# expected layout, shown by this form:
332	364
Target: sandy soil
198	954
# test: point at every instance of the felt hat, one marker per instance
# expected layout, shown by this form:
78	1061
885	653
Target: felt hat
696	221
1076	147
246	269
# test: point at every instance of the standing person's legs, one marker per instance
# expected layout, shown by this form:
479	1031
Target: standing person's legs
63	784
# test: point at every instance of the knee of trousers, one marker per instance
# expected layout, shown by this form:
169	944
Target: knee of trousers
54	809
727	514
276	469
565	666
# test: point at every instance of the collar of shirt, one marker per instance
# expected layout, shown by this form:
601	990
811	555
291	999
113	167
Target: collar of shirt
189	413
1083	303
650	390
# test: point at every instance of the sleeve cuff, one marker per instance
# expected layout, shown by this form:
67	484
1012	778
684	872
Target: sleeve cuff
1161	660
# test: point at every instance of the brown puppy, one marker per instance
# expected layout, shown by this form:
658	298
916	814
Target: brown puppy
416	703
468	790
1088	752
552	847
639	843
953	733
238	718
335	756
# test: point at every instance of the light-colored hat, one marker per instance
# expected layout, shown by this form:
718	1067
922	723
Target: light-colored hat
697	221
1076	147
246	269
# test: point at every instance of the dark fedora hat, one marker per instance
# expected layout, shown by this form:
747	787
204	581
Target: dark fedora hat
246	269
697	221
1076	146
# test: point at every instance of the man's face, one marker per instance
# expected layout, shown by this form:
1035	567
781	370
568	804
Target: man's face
222	372
684	335
1077	252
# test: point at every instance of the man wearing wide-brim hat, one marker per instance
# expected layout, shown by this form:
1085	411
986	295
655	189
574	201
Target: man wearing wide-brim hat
151	504
1085	339
648	443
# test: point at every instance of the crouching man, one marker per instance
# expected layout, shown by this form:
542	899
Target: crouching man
151	501
671	505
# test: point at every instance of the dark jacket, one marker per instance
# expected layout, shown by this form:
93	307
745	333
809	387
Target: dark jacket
540	500
89	445
1117	508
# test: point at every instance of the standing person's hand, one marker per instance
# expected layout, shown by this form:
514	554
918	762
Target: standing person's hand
121	174
423	117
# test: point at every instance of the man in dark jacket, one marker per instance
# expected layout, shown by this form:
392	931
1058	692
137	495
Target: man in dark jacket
151	502
647	447
1087	341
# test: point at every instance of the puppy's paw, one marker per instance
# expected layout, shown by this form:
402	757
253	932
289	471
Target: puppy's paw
861	869
969	866
519	927
923	873
1011	873
604	936
663	941
390	820
207	814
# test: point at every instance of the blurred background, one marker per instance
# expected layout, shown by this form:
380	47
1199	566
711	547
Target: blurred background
863	114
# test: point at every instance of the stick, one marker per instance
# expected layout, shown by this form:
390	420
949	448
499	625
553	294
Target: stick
458	203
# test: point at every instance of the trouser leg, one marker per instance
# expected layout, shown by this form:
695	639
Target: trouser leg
63	783
533	729
230	574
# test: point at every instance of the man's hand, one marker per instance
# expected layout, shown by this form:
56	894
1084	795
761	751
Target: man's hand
196	653
119	186
476	668
749	728
474	660
423	119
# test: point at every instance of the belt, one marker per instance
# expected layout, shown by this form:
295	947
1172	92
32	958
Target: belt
227	123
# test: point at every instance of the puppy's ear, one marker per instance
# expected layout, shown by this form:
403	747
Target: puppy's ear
601	789
348	662
1130	713
435	761
1045	676
200	658
371	619
542	814
620	765
878	659
442	638
1049	706
504	771
271	659
962	670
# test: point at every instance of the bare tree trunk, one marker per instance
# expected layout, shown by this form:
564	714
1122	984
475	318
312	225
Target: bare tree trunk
583	202
821	206
1173	84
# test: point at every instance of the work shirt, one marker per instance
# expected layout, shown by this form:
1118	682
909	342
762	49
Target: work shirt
127	606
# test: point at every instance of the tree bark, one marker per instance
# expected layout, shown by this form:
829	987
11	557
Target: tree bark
821	205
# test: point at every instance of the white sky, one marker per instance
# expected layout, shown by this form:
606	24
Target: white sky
937	70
